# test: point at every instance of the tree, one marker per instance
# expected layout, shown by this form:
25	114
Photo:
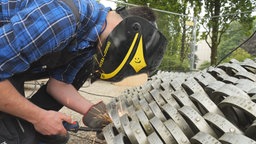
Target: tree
217	18
237	43
250	44
174	28
235	35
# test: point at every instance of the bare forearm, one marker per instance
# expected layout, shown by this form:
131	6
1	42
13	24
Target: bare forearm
45	122
68	96
15	104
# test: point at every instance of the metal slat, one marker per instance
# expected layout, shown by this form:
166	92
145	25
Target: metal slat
250	131
246	105
182	97
176	132
205	103
196	120
157	111
154	139
232	138
192	86
178	119
125	122
144	122
204	138
221	123
162	130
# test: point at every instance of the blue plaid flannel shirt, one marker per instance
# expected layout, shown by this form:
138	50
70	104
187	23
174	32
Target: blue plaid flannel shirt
32	28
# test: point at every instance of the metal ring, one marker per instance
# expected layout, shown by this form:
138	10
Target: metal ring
176	132
156	84
157	111
205	79
230	90
206	103
121	139
138	132
166	86
221	123
250	131
162	130
182	97
241	103
125	122
111	105
135	102
191	86
247	75
233	138
146	109
204	138
253	98
249	64
246	85
113	113
144	122
208	77
231	69
131	113
176	83
157	97
213	86
252	92
180	121
169	99
196	120
222	75
122	105
154	139
109	133
148	97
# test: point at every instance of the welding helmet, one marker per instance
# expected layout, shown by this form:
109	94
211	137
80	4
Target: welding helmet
134	46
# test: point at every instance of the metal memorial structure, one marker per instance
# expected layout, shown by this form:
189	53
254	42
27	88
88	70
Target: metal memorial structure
215	105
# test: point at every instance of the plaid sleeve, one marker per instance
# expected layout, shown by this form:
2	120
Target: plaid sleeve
68	72
93	16
39	28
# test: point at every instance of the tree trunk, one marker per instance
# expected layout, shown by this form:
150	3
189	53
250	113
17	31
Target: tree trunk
215	31
183	41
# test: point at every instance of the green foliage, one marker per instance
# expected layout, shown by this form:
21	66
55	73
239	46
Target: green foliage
239	54
216	19
204	65
235	35
172	63
218	16
175	29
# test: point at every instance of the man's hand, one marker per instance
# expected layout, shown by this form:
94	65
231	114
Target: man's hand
50	123
97	116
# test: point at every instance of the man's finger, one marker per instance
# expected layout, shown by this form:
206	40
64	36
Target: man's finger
66	118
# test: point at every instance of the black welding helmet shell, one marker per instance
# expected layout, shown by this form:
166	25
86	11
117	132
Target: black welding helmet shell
134	46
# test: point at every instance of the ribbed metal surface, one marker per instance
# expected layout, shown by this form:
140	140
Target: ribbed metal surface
216	105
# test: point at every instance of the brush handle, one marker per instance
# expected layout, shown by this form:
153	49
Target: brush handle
71	127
